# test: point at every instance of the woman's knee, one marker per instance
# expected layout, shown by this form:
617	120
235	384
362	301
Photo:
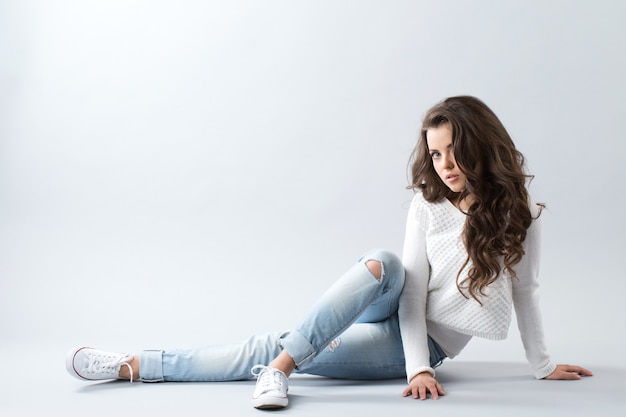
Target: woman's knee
376	268
383	263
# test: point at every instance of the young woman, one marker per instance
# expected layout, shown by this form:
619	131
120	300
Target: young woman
471	255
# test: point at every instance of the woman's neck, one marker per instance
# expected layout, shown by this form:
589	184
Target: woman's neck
462	204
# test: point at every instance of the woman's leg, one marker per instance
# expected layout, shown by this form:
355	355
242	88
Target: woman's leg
367	292
214	363
367	351
209	364
363	351
370	290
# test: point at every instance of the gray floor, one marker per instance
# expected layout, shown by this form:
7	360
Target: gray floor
35	383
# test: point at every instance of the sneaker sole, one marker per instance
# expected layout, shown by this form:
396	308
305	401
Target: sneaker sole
270	403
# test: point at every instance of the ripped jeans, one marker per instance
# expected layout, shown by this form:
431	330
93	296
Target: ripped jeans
352	332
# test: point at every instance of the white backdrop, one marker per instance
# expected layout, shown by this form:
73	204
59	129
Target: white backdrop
176	173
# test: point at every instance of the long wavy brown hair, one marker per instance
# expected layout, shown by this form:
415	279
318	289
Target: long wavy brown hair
499	215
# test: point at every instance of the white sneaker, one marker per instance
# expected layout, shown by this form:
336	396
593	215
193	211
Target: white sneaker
271	388
90	364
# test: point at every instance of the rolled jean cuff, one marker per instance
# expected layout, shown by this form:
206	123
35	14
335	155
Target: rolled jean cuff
298	347
151	366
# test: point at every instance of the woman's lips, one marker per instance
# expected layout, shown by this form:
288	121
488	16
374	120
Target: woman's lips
452	178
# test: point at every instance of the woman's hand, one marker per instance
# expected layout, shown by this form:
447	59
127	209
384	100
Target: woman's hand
570	372
421	385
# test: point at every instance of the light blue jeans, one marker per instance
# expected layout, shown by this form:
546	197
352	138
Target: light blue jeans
352	332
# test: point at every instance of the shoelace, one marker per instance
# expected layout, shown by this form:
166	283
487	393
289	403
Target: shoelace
269	377
97	366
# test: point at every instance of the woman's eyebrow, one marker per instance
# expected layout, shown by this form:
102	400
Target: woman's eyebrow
450	146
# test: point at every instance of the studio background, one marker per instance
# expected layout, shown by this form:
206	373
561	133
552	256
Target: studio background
175	174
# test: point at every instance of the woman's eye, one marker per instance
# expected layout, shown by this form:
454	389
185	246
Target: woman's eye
435	155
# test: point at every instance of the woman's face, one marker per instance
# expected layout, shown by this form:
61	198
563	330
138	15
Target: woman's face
439	141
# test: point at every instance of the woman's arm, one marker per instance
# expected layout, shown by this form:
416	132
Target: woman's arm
412	310
527	310
526	303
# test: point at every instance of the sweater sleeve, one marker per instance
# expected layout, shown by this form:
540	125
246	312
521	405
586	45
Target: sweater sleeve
412	310
526	302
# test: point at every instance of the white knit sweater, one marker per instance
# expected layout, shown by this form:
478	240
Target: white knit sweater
431	303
